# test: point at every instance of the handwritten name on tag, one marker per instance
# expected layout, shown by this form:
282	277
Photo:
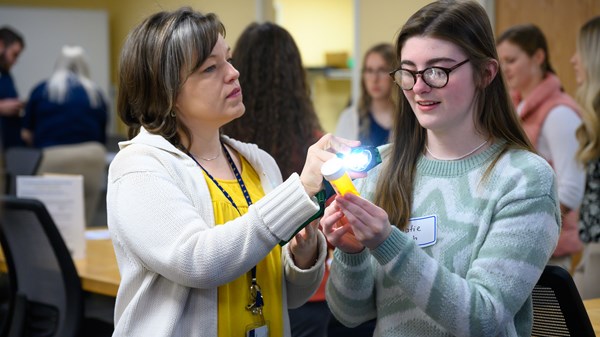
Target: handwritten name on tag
423	230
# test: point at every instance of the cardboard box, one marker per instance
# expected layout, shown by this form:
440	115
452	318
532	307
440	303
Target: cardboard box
336	59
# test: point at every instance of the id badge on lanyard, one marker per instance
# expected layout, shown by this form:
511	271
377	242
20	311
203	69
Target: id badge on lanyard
257	330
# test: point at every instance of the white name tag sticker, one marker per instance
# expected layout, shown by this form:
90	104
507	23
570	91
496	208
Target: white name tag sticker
423	230
261	331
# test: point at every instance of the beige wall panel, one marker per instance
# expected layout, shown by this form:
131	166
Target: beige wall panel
381	20
318	27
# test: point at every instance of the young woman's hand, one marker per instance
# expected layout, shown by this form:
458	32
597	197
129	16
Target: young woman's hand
318	153
338	231
304	246
368	223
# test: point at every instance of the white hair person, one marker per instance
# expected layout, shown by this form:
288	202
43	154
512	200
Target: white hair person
71	69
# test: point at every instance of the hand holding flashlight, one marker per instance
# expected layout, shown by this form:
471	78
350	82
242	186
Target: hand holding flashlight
361	158
318	153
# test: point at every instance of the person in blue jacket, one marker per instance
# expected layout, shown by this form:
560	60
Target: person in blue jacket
68	108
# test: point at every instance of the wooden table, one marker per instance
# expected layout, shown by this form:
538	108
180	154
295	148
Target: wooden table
593	309
99	274
98	271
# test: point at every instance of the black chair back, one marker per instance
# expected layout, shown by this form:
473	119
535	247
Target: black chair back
41	271
557	306
20	161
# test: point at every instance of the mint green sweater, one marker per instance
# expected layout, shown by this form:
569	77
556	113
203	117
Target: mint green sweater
492	240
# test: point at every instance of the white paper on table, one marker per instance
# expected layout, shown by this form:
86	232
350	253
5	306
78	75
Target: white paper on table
63	197
97	234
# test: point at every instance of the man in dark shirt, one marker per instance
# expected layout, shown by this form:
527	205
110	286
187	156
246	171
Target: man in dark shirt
11	45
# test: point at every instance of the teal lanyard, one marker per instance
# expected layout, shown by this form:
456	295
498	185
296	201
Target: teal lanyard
257	301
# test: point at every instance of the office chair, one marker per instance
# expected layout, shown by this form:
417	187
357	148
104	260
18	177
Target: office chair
557	307
46	295
20	161
87	159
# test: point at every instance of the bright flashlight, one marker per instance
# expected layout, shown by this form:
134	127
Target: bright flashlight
361	159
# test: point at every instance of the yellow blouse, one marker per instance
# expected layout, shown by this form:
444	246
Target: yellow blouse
233	318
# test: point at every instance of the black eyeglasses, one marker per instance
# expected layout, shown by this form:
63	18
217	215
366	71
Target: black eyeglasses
435	77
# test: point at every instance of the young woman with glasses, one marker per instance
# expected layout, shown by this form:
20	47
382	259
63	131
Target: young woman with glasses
371	118
550	118
454	228
197	218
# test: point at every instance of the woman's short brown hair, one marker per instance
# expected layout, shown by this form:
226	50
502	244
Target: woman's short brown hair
156	59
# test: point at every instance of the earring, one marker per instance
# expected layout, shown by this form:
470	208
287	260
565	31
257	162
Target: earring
172	113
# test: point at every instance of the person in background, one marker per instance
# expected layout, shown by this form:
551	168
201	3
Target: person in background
587	72
197	218
455	227
280	117
68	108
549	117
11	46
66	117
371	119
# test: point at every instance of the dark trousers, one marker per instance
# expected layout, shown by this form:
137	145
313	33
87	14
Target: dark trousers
337	329
310	320
314	319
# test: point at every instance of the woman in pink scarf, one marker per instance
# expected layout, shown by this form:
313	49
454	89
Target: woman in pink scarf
550	118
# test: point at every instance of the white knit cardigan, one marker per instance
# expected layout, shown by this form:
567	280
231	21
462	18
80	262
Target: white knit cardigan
172	257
